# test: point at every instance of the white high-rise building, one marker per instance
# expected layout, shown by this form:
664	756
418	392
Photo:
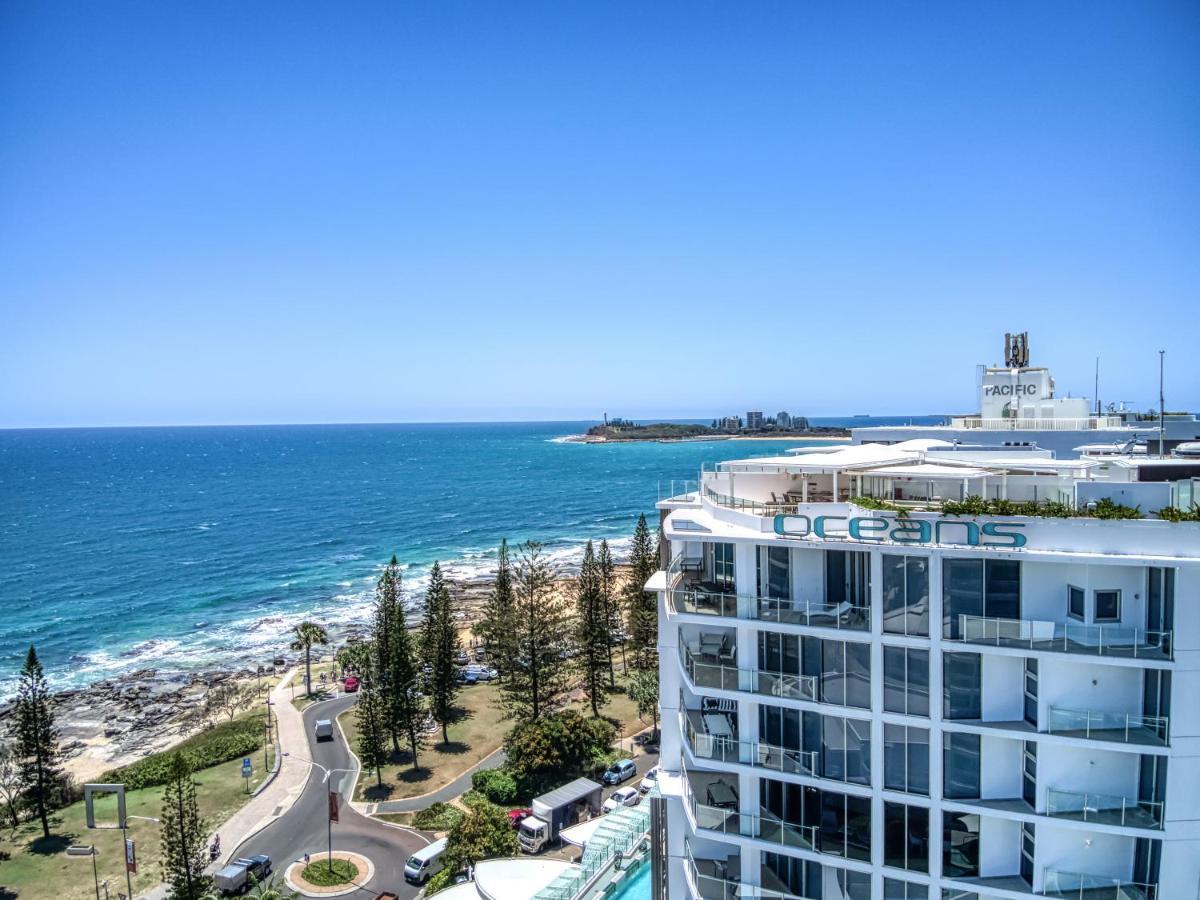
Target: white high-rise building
875	687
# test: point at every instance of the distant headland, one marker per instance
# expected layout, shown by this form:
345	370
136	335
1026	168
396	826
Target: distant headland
756	426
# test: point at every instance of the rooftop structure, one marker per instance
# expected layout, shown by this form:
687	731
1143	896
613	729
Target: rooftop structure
877	683
1018	406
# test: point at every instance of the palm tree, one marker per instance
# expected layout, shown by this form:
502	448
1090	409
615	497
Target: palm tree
307	634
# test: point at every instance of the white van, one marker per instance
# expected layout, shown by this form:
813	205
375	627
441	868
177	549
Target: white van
323	729
425	863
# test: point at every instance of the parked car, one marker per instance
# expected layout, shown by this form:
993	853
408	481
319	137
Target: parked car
350	685
621	770
467	677
626	796
482	673
516	815
649	779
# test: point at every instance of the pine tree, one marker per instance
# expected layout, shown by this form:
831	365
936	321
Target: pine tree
37	739
643	690
542	636
439	646
183	834
371	714
591	631
642	605
612	609
387	600
405	710
496	625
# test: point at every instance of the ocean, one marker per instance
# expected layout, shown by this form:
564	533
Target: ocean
186	548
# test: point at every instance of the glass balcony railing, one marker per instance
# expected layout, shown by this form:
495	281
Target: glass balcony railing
706	672
1124	728
811	614
1081	886
1066	637
728	749
1105	809
763	827
710	879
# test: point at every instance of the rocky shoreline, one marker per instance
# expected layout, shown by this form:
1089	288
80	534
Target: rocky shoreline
119	720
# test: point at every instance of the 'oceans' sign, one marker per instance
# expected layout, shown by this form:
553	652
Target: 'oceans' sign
959	532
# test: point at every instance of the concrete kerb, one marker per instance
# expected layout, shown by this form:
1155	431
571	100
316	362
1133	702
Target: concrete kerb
291	876
274	771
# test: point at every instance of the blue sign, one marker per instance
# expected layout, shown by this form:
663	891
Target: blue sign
902	531
246	767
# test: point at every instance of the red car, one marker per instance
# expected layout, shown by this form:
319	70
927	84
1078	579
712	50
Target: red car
516	815
350	685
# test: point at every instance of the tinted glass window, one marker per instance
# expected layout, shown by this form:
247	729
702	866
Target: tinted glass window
960	766
906	595
962	592
960	842
1108	606
1075	600
962	692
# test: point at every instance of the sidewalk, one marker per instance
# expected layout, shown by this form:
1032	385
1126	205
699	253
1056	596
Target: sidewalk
278	796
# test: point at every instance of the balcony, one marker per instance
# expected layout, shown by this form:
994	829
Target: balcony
1104	809
1081	886
703	601
707	672
1066	637
724	819
1122	728
711	735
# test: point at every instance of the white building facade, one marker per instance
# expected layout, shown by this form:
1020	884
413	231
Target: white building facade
865	702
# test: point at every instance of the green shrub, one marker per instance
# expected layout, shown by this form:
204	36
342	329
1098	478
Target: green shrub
1174	514
226	741
1105	508
498	785
438	817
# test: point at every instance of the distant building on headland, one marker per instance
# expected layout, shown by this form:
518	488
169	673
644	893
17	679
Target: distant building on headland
754	420
783	419
730	423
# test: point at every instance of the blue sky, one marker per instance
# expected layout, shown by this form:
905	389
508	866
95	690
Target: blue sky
301	212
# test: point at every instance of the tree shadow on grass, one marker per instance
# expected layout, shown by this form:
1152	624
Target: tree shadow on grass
48	846
414	776
6	894
451	747
378	792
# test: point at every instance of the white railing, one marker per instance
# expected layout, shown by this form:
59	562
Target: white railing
1033	424
1065	637
1058	883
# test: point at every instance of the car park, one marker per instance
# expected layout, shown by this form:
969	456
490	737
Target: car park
626	796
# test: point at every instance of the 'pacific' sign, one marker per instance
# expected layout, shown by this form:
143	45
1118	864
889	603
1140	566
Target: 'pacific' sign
960	532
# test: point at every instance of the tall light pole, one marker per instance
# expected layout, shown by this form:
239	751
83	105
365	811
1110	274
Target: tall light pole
1161	406
328	811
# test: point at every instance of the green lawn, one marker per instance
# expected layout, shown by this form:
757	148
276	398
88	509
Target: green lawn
479	732
41	870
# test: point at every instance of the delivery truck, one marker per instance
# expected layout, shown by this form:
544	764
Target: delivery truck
559	809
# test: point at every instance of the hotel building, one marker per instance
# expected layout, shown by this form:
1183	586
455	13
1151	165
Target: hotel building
876	698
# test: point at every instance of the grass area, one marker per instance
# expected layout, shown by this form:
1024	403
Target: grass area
403	818
41	870
330	873
478	732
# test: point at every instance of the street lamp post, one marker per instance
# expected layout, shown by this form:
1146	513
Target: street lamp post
328	811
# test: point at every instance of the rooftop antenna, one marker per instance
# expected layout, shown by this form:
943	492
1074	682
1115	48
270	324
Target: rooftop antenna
1161	405
1097	387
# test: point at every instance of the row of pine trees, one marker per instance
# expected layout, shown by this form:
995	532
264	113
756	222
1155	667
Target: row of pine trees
543	641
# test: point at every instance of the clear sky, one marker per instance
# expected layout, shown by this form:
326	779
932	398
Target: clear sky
320	212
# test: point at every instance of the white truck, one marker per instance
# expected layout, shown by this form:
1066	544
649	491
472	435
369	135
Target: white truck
552	812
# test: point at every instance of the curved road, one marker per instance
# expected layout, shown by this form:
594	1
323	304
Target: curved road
303	828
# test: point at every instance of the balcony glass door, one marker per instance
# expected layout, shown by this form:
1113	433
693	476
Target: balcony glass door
722	566
1031	692
1160	604
1029	779
774	577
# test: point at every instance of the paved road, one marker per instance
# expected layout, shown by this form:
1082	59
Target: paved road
303	828
456	788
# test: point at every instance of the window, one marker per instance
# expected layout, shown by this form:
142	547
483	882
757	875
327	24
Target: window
847	577
845	826
722	566
978	587
846	749
906	680
962	694
960	843
1027	852
1075	602
851	885
960	766
906	759
845	673
773	578
789	875
1108	606
906	837
906	595
894	889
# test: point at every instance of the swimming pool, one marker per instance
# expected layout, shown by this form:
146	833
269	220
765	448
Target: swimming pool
637	887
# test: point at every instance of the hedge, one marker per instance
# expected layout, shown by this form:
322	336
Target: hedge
226	741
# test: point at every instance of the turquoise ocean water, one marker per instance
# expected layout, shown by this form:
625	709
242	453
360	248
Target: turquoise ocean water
178	548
